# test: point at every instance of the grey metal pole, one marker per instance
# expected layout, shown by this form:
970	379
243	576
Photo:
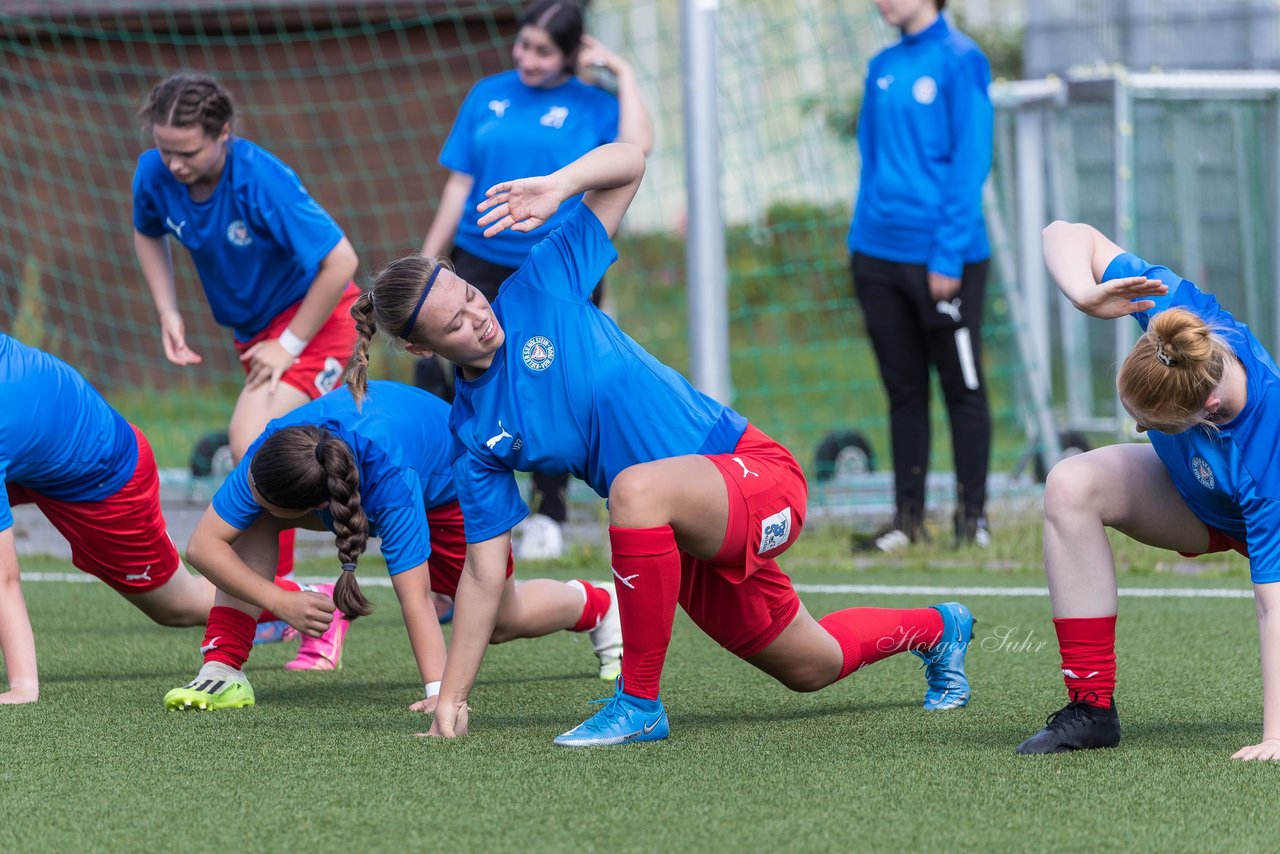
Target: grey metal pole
704	252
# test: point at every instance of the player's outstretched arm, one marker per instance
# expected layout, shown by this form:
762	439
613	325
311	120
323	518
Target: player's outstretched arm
413	590
212	552
17	642
1267	603
480	589
157	270
1077	256
608	175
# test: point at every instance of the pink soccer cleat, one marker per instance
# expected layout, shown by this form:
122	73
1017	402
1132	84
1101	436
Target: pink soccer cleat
324	652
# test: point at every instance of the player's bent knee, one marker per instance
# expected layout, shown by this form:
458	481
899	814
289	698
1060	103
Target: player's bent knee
1071	484
632	498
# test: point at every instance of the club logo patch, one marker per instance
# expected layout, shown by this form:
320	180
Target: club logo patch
327	380
774	530
538	353
924	90
1200	468
238	234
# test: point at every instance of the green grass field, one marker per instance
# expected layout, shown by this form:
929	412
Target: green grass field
328	761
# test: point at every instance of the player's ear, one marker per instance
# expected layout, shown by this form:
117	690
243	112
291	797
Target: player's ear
421	352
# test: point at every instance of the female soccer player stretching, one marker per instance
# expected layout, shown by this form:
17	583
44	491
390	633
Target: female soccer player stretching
92	474
275	267
1208	395
378	467
700	502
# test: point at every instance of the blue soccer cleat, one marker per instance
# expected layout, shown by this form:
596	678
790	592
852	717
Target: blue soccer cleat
944	662
623	719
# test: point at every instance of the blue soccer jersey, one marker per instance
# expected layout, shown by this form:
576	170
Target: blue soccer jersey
568	391
925	133
257	242
507	130
400	439
1229	478
58	437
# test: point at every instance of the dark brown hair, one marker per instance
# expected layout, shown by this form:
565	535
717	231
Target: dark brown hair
388	304
187	100
1171	371
562	20
305	466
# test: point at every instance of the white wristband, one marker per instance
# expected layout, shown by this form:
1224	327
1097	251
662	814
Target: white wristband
432	689
292	344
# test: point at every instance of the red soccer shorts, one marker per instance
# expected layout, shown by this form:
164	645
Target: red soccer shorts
449	549
740	597
121	539
1220	542
319	369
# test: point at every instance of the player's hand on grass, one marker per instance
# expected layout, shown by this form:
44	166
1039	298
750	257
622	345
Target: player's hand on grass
1268	748
521	205
307	611
1114	298
427	706
268	361
450	721
174	337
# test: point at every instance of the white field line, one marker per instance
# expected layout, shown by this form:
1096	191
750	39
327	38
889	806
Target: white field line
839	589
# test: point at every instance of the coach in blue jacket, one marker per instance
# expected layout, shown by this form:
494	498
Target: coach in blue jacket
919	253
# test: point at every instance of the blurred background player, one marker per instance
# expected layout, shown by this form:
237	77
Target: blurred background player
378	467
93	475
700	502
276	269
532	120
919	254
1207	394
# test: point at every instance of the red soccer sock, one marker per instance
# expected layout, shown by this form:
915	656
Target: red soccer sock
283	584
646	565
228	637
594	608
1088	646
867	635
284	564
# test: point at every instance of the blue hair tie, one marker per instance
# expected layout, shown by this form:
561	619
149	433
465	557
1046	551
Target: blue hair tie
413	318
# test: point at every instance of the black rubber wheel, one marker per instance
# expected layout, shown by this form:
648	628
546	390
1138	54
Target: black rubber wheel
212	455
844	452
1071	443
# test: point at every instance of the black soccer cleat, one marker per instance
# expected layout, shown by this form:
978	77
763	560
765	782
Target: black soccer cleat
1076	726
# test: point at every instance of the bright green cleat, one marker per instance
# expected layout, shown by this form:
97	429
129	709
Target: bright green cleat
207	695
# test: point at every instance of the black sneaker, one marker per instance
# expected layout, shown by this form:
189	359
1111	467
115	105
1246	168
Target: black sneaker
1076	726
905	530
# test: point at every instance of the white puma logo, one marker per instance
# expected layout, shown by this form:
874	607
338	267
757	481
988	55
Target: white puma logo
554	117
627	580
177	229
210	645
490	443
951	309
745	471
145	575
1071	674
499	107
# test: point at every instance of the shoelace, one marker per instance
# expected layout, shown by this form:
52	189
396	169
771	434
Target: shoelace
1079	702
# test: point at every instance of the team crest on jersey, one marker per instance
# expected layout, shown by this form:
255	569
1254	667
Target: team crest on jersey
774	530
924	90
327	380
554	117
238	234
1203	472
538	353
